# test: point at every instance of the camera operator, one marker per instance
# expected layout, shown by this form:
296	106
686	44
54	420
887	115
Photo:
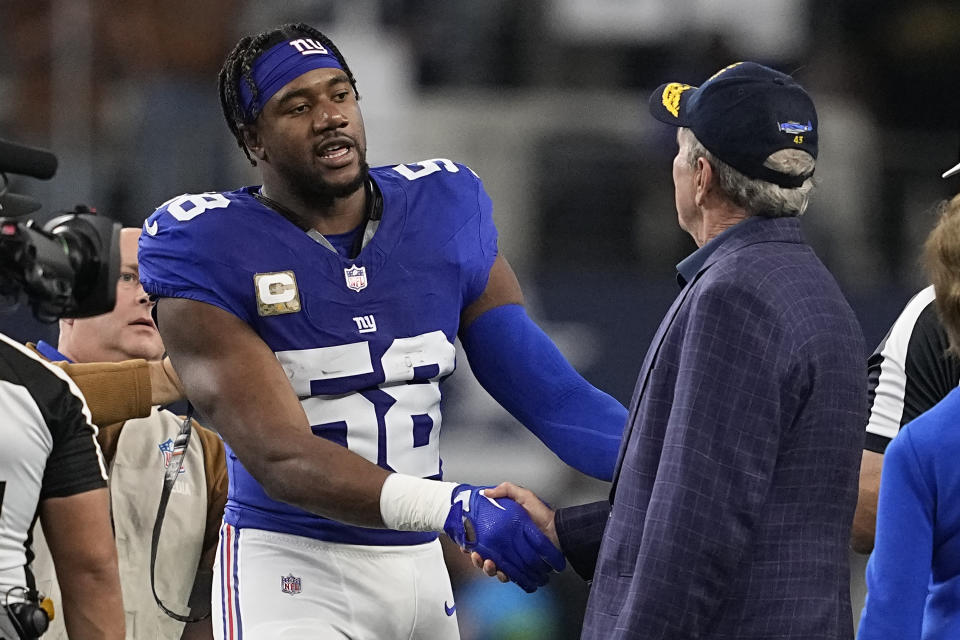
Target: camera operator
51	466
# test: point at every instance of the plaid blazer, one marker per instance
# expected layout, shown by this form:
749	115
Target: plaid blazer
732	502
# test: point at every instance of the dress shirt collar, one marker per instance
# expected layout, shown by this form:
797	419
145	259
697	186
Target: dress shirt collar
688	268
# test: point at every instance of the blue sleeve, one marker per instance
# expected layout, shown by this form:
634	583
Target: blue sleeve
449	215
898	573
184	253
523	370
479	244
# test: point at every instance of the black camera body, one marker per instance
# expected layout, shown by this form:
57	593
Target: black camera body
67	268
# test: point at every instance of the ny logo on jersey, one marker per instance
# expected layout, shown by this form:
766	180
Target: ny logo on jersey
356	277
366	324
276	293
306	46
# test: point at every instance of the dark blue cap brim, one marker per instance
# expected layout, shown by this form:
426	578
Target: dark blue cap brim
668	103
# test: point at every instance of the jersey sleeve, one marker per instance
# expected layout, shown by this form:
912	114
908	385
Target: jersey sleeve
451	213
910	371
478	240
186	251
75	464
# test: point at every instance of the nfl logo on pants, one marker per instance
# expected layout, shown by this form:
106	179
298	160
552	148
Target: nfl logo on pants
290	584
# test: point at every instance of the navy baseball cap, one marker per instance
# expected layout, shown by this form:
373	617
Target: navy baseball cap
742	114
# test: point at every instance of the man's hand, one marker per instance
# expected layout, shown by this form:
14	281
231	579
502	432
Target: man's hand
165	386
539	513
501	531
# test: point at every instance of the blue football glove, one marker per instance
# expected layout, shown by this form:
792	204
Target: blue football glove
503	532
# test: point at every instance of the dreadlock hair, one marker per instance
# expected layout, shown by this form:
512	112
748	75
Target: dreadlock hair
239	63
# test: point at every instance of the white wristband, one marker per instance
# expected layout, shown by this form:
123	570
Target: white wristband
408	503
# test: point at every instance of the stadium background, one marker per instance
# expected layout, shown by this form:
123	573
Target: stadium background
545	100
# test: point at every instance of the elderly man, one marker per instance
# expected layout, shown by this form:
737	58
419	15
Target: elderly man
137	452
731	505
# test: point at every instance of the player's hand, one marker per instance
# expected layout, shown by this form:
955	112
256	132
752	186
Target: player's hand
501	531
540	513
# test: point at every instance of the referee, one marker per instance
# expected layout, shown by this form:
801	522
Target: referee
50	465
910	371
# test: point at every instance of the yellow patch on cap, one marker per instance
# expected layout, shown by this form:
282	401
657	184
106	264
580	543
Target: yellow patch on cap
671	97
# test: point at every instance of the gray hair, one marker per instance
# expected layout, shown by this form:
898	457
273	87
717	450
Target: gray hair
759	197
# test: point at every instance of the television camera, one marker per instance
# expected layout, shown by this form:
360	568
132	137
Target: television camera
67	267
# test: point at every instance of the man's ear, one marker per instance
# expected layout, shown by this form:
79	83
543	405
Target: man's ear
703	177
251	138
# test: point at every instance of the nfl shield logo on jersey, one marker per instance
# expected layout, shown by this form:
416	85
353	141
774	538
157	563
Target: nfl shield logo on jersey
356	277
290	584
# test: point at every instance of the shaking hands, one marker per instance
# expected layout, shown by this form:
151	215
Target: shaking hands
508	531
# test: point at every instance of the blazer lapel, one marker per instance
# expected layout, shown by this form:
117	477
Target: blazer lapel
644	376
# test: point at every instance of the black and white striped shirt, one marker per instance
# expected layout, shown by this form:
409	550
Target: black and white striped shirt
48	449
910	371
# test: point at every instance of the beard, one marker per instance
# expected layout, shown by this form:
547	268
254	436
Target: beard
320	192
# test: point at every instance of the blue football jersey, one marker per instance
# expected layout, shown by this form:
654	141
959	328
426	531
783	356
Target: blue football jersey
365	342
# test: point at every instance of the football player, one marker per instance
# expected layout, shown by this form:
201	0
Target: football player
312	319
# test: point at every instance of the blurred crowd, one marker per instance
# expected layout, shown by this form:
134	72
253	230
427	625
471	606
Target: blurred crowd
126	87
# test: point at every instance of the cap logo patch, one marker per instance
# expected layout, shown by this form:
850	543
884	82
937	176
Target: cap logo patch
671	97
794	128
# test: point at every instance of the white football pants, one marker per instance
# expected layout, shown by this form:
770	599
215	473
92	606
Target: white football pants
270	585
